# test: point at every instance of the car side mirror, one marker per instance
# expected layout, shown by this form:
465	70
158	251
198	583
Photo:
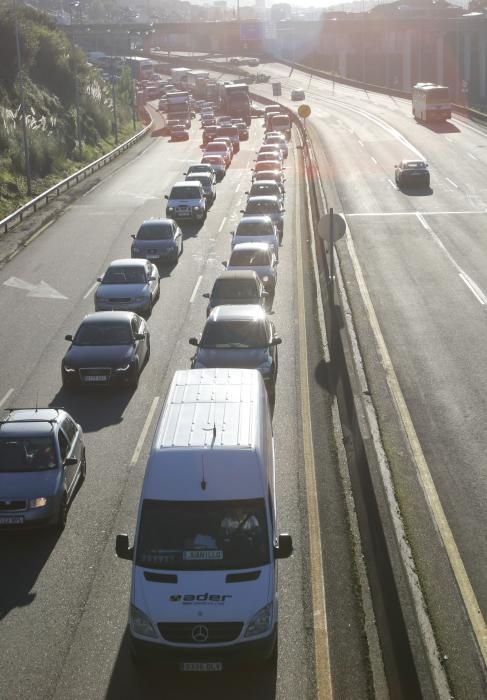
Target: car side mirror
224	263
231	233
152	279
277	340
68	337
122	548
284	547
246	192
242	211
193	341
206	295
139	336
99	279
132	235
70	461
166	197
185	173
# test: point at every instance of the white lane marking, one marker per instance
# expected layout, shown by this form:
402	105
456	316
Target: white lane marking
40	290
476	291
474	288
373	159
193	295
238	187
145	429
392	184
37	233
222	224
448	139
360	142
471	155
91	290
451	182
414	213
7	395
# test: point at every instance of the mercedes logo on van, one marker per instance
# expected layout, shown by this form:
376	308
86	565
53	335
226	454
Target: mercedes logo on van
200	634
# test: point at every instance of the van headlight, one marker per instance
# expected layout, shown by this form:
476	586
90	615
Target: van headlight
261	621
140	623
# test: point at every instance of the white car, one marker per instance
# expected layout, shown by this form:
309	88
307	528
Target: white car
218	164
257	229
259	257
186	201
218	149
277	139
297	94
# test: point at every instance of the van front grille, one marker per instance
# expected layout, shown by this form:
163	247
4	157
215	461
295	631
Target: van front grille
199	632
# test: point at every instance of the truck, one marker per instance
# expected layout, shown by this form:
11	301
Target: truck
178	107
280	122
179	76
235	100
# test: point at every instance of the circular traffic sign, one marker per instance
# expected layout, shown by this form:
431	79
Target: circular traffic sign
304	111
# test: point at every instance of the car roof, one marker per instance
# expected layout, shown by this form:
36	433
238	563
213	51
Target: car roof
237	275
236	312
264	198
256	219
183	183
213	157
102	317
156	222
30	420
252	245
128	262
265	182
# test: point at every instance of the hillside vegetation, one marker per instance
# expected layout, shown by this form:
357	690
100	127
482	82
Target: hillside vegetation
49	67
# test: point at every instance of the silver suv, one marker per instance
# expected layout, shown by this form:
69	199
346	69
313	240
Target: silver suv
42	463
186	201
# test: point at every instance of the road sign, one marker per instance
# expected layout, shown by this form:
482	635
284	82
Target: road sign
324	226
276	89
304	111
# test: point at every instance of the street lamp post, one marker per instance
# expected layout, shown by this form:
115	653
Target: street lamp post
28	173
76	87
132	82
114	95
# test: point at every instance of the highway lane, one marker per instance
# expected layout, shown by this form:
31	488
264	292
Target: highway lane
423	257
64	600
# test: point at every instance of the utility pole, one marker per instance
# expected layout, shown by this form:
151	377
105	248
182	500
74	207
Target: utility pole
28	173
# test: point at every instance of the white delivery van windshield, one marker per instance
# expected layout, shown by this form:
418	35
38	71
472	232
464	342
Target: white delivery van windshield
203	535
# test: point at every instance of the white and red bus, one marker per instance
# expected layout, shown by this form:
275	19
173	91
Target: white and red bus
431	102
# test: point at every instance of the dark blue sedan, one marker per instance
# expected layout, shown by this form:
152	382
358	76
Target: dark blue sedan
158	240
109	348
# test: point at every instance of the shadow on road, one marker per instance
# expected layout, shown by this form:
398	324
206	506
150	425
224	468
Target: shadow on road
191	229
23	557
94	408
442	127
154	682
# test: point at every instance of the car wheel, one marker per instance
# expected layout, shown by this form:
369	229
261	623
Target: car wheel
149	309
82	475
134	378
147	355
63	513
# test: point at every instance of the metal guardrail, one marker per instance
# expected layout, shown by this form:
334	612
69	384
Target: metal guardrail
43	199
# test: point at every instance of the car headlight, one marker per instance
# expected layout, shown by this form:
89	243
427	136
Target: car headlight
38	502
261	621
123	368
140	623
196	208
67	368
266	278
170	208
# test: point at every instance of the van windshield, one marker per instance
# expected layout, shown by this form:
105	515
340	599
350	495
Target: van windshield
203	535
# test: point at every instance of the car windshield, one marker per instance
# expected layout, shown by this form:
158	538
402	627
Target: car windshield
27	454
216	147
184	193
213	161
125	275
280	120
249	258
198	169
108	333
415	165
155	232
265	165
254	228
258	208
178	127
204	179
203	535
234	334
228	131
263	190
234	289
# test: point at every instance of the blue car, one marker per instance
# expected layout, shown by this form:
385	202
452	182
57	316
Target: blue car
158	240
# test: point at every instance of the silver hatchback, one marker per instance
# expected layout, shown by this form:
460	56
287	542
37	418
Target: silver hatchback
128	285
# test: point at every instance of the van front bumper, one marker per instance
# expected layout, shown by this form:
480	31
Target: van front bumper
256	651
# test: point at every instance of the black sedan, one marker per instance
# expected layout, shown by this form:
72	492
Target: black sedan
412	173
109	348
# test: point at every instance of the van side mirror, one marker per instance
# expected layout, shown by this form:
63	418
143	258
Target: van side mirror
284	547
193	341
122	548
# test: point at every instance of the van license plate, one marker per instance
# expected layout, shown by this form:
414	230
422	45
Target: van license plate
201	666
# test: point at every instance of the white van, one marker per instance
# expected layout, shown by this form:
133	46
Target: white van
204	579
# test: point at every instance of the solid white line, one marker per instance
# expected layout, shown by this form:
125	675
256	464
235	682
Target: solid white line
222	224
145	429
9	392
193	295
471	155
91	290
373	160
478	294
413	213
392	184
360	142
451	182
